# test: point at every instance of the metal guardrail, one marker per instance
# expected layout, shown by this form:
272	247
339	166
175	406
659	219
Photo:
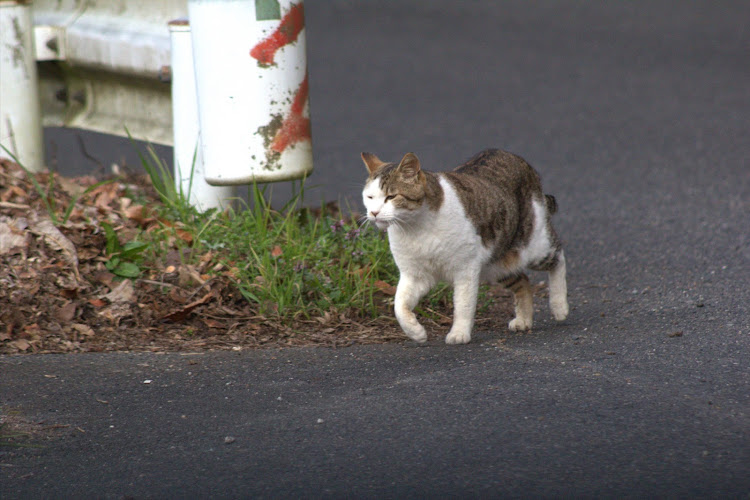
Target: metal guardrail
104	66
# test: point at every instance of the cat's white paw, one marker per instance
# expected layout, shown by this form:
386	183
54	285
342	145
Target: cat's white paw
411	327
559	310
519	325
417	334
458	337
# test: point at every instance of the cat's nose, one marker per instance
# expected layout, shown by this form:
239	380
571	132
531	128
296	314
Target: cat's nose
374	212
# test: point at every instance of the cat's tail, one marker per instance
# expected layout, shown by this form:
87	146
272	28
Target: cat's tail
551	203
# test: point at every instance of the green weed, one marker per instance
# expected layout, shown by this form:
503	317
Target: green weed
292	263
123	259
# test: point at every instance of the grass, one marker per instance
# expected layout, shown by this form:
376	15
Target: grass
290	263
297	264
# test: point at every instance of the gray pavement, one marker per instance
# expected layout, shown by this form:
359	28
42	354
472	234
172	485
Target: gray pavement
636	115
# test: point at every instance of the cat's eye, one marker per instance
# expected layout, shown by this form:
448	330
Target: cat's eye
390	197
369	197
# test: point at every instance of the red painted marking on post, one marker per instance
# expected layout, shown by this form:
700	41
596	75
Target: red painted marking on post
287	32
295	127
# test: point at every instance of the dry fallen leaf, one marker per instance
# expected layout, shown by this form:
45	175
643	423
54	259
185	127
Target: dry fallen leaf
116	311
66	313
104	277
58	241
385	287
136	213
83	329
98	303
189	276
14	191
124	292
212	323
176	295
70	186
105	194
325	319
183	313
11	238
184	236
125	203
21	344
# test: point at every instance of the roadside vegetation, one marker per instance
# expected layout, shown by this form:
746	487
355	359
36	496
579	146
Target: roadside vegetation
128	263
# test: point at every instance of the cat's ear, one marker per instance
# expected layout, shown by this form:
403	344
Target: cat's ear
409	166
372	162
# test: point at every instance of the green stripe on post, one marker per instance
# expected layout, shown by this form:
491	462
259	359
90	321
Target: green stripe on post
267	9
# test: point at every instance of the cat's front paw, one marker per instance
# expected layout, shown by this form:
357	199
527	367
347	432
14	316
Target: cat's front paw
417	334
411	327
519	325
458	337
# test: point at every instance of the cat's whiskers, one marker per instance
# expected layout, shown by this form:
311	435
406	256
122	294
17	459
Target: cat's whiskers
401	223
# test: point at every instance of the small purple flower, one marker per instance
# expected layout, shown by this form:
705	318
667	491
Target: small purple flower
337	225
352	235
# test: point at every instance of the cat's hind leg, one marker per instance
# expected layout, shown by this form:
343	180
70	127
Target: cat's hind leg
523	299
408	294
558	289
554	265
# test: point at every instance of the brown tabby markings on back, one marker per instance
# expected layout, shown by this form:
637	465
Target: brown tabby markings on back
496	189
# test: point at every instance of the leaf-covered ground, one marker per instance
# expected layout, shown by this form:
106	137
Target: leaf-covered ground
58	292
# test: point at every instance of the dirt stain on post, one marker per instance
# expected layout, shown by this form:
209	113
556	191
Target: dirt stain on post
268	133
18	49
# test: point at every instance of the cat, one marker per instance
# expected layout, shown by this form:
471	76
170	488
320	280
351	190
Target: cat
486	221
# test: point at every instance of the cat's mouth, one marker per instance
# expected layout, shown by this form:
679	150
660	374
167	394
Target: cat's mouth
381	224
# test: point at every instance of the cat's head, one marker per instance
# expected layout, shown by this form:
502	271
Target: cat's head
394	193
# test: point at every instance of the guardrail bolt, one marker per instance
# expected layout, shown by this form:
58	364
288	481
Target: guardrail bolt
165	74
53	45
79	97
62	95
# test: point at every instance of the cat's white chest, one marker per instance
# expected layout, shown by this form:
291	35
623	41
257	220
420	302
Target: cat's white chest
438	245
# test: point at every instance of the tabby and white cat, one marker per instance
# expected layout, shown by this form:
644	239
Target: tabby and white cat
487	220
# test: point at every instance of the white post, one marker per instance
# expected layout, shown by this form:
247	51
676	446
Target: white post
251	77
188	158
20	112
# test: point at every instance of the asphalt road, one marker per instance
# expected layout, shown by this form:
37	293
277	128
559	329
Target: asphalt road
637	116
